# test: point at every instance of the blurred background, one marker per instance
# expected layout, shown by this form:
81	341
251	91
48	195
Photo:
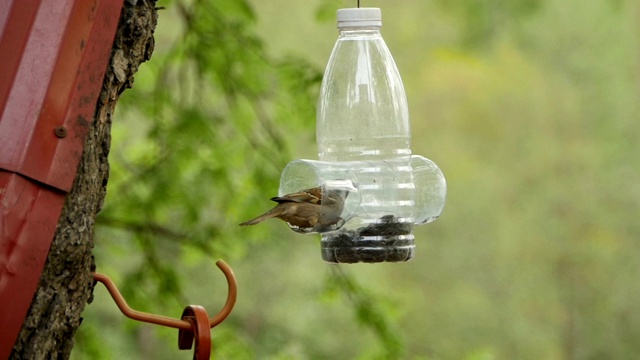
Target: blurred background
530	108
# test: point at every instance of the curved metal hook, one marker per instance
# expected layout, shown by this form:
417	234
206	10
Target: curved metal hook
232	294
167	321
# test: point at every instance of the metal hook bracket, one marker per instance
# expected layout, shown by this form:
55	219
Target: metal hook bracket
199	332
195	324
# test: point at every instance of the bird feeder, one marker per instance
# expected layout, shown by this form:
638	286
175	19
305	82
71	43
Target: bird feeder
364	137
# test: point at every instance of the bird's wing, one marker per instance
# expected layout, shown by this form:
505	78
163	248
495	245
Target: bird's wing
311	196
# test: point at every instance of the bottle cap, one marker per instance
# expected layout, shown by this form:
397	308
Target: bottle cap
359	18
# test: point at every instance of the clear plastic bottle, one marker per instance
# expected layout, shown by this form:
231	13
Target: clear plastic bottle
377	190
362	109
381	205
363	116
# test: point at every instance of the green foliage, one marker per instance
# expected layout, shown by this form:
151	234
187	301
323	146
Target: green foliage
369	310
483	20
201	138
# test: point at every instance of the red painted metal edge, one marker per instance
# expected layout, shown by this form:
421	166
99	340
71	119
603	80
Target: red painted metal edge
54	56
28	83
28	217
67	50
84	54
15	24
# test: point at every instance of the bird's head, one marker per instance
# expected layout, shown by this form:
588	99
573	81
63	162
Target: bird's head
337	190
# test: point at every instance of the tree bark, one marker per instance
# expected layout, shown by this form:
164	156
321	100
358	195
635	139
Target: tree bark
66	283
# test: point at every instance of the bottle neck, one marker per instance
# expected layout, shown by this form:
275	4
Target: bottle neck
359	31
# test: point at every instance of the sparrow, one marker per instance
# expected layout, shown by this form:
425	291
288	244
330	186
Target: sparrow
307	210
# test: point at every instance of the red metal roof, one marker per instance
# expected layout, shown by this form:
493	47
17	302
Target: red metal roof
54	55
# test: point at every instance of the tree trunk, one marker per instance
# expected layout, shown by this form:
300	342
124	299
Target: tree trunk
66	283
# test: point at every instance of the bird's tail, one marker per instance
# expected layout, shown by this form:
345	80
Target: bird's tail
268	215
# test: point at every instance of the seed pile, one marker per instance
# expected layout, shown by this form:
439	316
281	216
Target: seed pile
386	240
